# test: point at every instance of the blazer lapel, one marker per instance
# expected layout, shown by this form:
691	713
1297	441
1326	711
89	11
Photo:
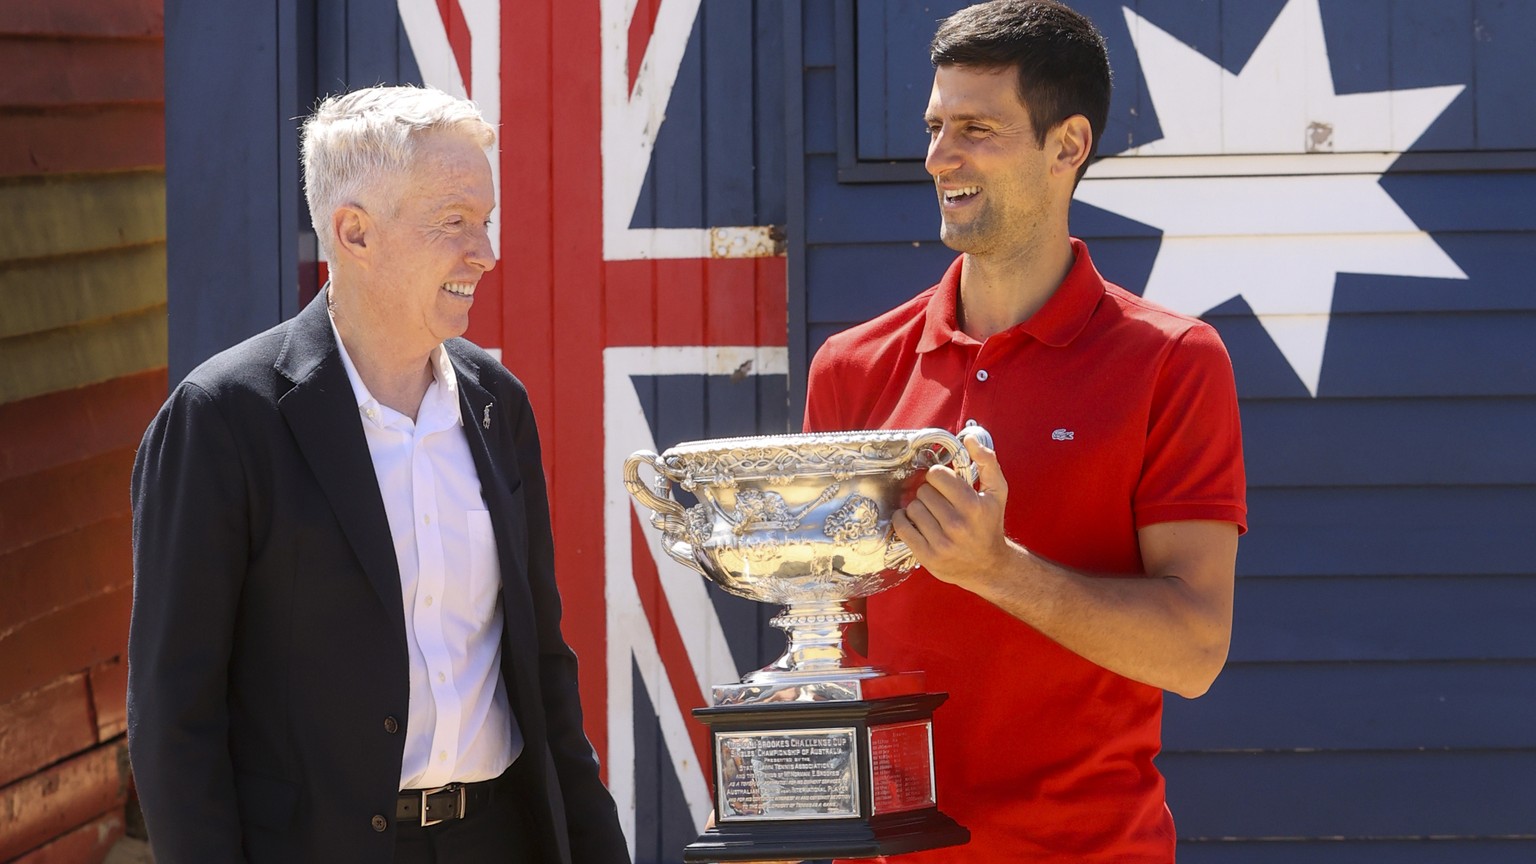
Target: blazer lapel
321	409
484	429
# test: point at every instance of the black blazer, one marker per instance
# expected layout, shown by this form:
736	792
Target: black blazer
268	680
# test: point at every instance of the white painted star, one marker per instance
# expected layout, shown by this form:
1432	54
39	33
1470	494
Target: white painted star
1294	198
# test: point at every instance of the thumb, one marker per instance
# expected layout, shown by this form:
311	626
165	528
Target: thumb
989	473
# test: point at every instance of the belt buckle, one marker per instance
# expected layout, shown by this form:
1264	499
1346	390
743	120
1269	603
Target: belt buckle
451	787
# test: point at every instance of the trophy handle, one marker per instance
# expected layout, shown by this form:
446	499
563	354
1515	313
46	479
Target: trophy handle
950	449
668	515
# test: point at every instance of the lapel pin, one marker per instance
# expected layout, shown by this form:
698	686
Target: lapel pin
486	418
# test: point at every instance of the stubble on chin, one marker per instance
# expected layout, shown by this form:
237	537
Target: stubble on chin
960	237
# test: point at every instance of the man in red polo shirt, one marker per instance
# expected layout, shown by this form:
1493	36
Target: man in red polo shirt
1092	567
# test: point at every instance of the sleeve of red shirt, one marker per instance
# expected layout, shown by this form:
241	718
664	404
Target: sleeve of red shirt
1193	466
821	408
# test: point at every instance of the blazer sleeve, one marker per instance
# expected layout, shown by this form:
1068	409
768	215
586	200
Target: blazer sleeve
592	820
190	541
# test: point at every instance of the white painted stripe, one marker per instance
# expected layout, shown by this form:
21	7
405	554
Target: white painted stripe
429	42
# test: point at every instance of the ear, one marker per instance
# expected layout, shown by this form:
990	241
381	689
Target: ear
351	229
1074	140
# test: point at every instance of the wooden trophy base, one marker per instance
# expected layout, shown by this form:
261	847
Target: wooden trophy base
804	780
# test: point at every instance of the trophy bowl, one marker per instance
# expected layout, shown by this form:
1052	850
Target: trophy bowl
803	521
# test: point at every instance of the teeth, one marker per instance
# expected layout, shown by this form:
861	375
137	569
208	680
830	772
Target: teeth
463	289
960	193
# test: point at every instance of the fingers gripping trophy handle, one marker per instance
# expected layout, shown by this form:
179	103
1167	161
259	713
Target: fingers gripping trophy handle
668	515
945	449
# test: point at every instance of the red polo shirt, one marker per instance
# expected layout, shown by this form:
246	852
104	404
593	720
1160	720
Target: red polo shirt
1109	413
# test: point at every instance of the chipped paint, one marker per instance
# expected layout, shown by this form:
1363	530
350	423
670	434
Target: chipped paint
1319	137
752	241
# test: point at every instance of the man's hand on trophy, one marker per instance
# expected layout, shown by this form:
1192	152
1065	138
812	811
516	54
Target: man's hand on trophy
955	529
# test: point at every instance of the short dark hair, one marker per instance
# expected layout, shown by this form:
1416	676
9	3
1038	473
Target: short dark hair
1060	57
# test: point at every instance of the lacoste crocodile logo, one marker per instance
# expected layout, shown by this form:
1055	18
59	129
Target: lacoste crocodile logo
1062	435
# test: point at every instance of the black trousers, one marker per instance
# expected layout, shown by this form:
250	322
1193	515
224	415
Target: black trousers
496	835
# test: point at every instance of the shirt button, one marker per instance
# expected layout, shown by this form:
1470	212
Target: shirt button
391	725
442	756
441	677
970	423
427	518
428	601
378	822
981	374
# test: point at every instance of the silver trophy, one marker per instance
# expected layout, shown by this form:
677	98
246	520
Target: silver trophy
815	755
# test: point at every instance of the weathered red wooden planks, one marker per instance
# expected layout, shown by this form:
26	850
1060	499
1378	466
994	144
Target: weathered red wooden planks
44	726
82	86
44	577
70	640
49	73
81	93
103	138
88	844
63	798
109	696
52	430
132	19
64	499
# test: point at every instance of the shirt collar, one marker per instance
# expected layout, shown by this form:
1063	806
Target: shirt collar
441	400
1056	323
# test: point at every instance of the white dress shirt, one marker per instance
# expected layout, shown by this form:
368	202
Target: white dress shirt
460	728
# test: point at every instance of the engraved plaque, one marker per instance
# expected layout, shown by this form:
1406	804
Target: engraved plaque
901	766
786	774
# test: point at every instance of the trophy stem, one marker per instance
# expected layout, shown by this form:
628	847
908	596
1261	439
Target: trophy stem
815	633
814	666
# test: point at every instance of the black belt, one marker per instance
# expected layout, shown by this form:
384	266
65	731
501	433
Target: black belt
454	801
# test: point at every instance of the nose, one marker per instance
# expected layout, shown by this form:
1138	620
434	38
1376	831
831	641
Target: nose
943	156
480	253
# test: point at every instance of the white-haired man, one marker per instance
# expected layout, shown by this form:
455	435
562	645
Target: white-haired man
346	636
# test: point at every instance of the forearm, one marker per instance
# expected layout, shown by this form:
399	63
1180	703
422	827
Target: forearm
1160	630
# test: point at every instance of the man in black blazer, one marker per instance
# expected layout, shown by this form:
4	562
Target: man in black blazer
346	641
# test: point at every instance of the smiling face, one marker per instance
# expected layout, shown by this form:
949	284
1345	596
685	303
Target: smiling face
989	169
432	250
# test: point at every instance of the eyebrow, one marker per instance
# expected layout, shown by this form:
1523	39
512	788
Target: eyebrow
961	118
455	204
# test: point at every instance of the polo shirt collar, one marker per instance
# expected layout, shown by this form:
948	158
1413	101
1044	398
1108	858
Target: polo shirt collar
1056	323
